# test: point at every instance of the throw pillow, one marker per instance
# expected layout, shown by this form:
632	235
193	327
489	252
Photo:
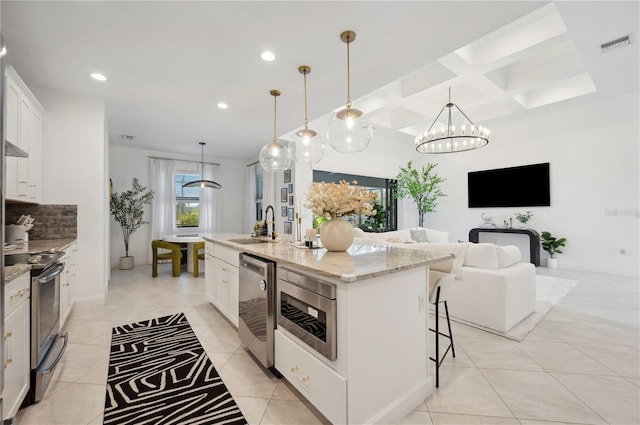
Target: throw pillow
418	235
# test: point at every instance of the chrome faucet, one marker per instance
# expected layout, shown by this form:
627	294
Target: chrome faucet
273	223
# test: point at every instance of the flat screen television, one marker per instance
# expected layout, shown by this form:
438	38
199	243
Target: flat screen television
523	186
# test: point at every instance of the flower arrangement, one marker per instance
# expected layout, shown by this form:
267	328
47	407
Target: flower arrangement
337	199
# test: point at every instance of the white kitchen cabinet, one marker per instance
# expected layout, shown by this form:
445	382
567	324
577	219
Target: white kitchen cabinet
67	280
15	357
23	128
209	267
224	284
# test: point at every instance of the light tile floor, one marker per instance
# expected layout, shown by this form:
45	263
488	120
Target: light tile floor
580	365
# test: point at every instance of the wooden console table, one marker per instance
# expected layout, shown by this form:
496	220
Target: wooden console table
534	239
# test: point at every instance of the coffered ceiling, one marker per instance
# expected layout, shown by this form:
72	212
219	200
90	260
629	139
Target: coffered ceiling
170	63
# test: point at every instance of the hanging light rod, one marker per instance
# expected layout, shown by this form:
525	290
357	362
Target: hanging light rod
202	182
448	140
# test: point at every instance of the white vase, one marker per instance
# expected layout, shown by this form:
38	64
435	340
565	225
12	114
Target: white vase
127	263
336	234
552	263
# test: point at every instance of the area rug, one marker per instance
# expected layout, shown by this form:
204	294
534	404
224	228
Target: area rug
159	374
549	291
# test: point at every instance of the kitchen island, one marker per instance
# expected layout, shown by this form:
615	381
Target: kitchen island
380	372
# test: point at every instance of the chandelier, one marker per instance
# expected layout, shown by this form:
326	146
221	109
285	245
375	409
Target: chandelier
305	146
448	139
348	131
202	182
274	156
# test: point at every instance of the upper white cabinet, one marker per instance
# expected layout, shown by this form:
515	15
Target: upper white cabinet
23	128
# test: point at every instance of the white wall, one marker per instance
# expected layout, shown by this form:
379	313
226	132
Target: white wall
594	156
126	163
73	172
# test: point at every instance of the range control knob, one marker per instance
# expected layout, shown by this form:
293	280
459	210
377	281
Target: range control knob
263	285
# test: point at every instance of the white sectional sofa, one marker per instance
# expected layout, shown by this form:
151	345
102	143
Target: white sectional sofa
492	286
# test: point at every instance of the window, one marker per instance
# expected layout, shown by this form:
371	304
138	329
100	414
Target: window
385	188
187	201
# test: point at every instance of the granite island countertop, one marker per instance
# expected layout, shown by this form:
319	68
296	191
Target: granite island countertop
359	262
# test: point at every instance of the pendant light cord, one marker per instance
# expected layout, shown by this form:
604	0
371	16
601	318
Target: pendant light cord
275	114
348	74
306	121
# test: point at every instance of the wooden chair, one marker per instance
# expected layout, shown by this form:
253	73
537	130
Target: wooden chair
197	256
174	255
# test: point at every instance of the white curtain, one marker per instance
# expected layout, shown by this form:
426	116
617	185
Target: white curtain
162	210
250	200
210	202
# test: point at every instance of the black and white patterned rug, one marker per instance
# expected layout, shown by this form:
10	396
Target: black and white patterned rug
159	374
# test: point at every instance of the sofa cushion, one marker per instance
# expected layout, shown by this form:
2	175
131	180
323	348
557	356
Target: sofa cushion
437	236
482	255
418	235
508	255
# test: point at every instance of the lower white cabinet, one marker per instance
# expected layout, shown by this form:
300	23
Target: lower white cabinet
322	386
67	280
15	358
221	283
226	289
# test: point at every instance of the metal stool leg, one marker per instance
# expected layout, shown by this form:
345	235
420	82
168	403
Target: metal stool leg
453	349
438	360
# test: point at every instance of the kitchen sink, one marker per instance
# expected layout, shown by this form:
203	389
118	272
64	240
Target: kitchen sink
249	241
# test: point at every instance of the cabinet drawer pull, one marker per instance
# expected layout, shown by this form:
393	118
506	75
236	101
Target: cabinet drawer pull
65	284
7	335
306	379
225	269
294	369
225	281
7	363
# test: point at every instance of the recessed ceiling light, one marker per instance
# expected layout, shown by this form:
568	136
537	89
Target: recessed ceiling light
267	56
222	105
98	76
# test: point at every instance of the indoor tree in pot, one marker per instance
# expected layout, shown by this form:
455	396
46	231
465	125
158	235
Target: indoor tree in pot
552	245
422	185
127	209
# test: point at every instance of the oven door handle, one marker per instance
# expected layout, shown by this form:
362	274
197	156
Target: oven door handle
56	272
52	366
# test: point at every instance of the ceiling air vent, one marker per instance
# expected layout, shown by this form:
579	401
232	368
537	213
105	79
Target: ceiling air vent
614	44
126	137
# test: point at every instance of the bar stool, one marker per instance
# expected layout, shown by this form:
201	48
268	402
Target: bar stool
197	256
174	255
440	283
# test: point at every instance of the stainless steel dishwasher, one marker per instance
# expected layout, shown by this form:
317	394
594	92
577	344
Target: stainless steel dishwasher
256	307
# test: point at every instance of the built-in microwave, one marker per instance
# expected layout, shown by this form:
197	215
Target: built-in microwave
306	308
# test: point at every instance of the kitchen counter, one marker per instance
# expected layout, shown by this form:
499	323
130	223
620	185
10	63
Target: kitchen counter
359	262
12	272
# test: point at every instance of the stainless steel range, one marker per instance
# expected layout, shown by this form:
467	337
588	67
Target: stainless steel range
47	344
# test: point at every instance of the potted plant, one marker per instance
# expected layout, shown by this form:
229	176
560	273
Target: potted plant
524	217
552	245
377	221
422	185
127	209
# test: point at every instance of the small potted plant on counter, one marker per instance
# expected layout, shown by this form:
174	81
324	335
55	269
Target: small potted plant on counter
552	245
524	218
127	209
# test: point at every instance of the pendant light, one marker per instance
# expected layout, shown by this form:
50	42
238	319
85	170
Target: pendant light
274	156
306	146
348	131
446	139
202	182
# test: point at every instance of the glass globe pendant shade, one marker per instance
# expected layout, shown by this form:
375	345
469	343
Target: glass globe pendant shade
306	146
348	132
275	157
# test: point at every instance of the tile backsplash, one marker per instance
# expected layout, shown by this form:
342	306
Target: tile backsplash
51	221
